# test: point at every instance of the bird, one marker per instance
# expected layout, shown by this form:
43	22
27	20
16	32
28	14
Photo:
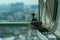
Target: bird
37	25
34	22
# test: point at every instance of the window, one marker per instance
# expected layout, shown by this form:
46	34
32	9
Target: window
17	10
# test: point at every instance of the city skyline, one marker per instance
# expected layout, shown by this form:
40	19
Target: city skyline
27	2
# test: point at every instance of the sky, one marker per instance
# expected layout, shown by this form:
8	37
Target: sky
27	2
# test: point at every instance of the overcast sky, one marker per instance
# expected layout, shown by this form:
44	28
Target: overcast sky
28	2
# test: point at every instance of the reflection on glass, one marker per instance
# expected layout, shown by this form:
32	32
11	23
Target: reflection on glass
19	33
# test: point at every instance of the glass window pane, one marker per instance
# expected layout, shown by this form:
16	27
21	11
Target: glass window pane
17	10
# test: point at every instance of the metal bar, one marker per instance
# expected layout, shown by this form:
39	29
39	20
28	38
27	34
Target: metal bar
14	24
